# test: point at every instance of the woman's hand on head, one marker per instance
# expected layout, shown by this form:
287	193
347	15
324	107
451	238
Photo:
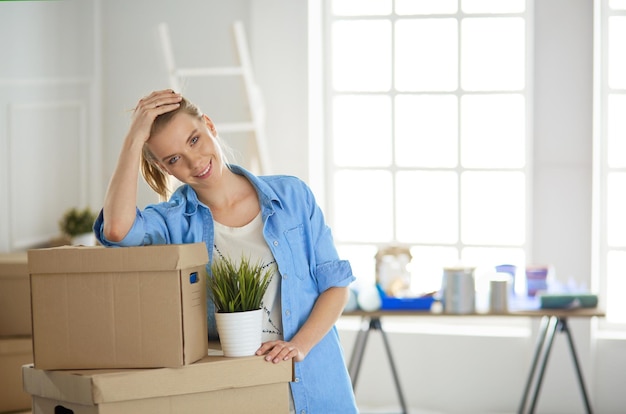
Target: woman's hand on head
278	351
149	107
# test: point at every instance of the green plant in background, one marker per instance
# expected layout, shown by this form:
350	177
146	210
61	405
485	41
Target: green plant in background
76	221
238	288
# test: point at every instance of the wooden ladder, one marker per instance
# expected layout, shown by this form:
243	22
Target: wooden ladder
256	124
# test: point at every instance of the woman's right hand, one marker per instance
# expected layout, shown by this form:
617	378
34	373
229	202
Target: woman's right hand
148	108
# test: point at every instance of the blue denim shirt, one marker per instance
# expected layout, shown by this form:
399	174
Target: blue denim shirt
302	244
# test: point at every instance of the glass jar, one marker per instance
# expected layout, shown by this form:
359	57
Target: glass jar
392	270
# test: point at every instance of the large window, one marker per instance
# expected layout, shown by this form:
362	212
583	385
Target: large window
427	132
610	158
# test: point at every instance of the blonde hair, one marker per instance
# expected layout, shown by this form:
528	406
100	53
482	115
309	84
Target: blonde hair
155	177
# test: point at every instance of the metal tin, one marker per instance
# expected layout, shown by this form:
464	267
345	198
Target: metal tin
459	291
498	296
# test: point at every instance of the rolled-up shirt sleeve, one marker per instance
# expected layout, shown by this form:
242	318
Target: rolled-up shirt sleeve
337	273
330	270
148	228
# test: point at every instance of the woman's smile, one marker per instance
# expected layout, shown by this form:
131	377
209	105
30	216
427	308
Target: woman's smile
206	172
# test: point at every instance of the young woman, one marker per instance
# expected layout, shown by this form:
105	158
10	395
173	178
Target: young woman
274	219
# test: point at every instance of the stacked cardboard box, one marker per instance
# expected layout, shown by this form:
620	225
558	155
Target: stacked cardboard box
103	316
15	330
215	384
14	295
134	307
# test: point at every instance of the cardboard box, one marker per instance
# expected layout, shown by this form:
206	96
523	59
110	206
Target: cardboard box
14	295
131	307
215	384
14	353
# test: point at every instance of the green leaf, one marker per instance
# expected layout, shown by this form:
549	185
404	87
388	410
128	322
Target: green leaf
75	221
238	287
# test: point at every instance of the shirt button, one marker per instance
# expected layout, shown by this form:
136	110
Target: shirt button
284	276
297	379
287	312
275	242
302	411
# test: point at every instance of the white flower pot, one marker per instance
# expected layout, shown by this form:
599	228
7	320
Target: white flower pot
85	239
240	332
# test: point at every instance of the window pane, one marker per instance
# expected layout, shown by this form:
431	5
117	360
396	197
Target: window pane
404	7
487	258
402	140
361	7
492	131
617	4
361	55
492	208
492	54
615	287
617	52
426	55
616	131
426	130
427	266
493	6
490	257
363	206
616	209
362	130
427	207
363	262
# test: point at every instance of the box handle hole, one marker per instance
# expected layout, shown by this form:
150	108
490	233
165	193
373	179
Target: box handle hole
59	409
193	278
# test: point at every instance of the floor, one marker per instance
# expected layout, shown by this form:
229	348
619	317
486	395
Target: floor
396	410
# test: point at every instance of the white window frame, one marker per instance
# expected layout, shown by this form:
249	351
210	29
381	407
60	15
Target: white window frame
329	168
601	169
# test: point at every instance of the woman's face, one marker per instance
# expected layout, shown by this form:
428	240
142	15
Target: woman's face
185	149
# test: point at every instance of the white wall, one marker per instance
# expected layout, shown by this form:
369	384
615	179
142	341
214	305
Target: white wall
49	140
134	63
114	45
201	33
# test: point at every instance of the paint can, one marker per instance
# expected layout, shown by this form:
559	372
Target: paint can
459	290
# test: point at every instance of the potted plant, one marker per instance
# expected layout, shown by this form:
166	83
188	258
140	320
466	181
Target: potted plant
77	224
237	290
